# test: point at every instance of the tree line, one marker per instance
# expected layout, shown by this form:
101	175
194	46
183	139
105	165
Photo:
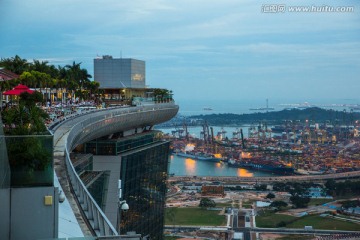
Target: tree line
42	75
277	117
346	188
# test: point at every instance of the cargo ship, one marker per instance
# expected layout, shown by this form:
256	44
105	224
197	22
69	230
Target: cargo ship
262	165
199	156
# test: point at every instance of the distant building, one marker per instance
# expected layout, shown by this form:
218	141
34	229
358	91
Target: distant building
213	190
123	81
119	72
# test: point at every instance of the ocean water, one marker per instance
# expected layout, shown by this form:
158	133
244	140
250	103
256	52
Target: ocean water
196	107
180	166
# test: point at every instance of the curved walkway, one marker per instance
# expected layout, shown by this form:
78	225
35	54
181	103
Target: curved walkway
82	128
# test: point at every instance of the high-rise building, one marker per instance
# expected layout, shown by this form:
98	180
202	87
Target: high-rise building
119	72
140	161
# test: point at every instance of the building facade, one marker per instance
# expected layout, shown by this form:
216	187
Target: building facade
140	161
119	72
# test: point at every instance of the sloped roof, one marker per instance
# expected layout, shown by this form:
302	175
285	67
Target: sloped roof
7	75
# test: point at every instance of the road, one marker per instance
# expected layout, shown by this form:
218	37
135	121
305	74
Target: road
296	178
248	230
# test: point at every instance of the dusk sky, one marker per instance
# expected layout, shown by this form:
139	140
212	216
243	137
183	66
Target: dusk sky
228	49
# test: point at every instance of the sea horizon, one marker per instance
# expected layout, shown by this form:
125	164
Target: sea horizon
189	107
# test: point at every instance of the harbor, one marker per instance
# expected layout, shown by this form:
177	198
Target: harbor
256	150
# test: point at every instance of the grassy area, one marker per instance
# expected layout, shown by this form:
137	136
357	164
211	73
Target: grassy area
323	223
296	237
345	197
193	216
247	204
321	201
227	204
270	219
171	238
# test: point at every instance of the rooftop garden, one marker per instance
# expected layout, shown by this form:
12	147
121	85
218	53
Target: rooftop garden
29	145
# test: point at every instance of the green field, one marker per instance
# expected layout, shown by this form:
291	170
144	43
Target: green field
171	238
321	201
227	204
270	220
193	216
296	237
324	223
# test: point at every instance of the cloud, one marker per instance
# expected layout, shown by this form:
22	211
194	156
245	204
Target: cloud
192	43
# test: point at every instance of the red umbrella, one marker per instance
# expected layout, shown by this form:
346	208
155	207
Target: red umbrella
18	90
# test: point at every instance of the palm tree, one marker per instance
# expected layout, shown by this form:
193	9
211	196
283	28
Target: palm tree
39	66
46	82
28	79
38	79
16	64
74	72
62	72
72	86
54	84
93	87
62	83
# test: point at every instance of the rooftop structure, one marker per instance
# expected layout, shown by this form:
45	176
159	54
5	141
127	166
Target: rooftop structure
119	72
7	75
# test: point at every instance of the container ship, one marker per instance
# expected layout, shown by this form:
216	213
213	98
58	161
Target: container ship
262	165
199	156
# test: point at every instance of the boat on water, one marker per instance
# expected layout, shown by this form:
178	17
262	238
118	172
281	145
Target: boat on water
262	165
207	109
278	128
199	156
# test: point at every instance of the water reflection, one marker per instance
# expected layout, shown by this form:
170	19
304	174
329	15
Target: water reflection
244	173
219	165
190	166
180	166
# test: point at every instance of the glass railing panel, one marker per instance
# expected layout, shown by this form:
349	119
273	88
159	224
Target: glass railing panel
4	162
31	160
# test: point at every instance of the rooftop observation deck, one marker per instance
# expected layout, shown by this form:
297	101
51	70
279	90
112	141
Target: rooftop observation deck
80	128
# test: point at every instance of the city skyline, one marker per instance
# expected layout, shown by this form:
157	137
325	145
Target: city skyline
200	50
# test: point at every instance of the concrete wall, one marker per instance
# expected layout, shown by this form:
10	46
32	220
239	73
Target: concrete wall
30	217
4	213
112	163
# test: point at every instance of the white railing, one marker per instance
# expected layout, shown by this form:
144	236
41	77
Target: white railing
102	124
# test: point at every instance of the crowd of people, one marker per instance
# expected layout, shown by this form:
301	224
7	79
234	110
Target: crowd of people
58	111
